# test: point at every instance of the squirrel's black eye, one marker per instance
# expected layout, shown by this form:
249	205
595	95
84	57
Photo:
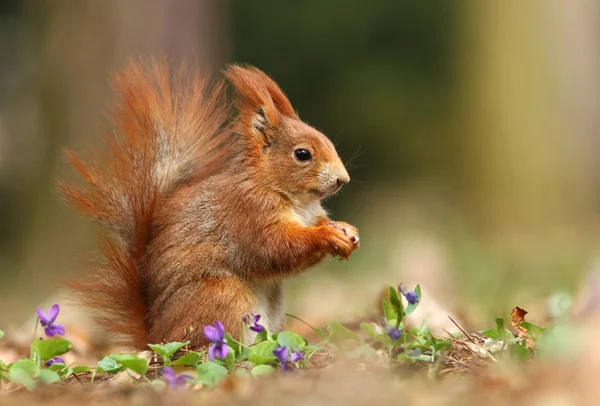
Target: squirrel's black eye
302	155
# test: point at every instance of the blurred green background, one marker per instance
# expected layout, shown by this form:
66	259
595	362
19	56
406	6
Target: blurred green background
470	129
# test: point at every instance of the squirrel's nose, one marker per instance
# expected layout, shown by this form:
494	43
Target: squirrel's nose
342	179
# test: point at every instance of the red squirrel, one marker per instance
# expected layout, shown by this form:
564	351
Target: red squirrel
210	203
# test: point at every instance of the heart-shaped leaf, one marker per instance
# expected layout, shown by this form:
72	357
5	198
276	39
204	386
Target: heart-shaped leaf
109	365
48	349
262	370
24	372
190	359
210	373
262	353
291	340
132	362
166	350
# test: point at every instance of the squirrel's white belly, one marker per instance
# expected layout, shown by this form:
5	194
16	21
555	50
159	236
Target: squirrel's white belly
308	214
269	294
269	304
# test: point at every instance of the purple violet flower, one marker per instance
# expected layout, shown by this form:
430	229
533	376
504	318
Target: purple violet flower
174	381
410	295
47	321
282	354
216	335
394	333
55	360
251	321
297	356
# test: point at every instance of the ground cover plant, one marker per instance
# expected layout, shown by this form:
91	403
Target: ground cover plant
391	343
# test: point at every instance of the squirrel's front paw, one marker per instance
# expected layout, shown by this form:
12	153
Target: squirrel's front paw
341	239
348	229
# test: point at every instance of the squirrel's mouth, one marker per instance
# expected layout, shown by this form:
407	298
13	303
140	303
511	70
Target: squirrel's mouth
319	193
322	194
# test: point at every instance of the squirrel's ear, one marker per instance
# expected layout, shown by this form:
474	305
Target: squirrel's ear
260	101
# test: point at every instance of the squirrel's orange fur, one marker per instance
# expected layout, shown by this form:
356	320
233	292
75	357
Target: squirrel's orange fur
209	207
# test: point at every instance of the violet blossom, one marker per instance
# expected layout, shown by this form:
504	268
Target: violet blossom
251	320
410	295
55	360
297	356
216	335
173	380
283	355
47	321
394	333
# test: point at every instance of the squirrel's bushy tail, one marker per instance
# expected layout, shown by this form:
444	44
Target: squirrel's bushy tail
169	130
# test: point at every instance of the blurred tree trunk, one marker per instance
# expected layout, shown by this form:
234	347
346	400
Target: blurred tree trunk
78	45
530	75
573	37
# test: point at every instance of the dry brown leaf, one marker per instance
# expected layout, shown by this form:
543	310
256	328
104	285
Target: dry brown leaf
518	314
518	317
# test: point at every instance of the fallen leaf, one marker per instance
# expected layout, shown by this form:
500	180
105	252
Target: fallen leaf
518	314
518	317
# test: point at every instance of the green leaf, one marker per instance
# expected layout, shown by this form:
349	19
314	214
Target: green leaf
311	348
500	333
243	356
48	376
441	345
559	304
132	362
48	349
396	302
59	367
411	307
262	370
519	352
388	311
233	344
494	335
1	333
558	343
3	371
500	328
338	333
230	360
291	340
109	365
190	359
81	369
262	353
210	373
23	372
491	333
535	332
320	333
262	336
166	350
369	330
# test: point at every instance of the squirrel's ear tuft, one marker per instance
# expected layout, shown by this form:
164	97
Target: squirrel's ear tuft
260	101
